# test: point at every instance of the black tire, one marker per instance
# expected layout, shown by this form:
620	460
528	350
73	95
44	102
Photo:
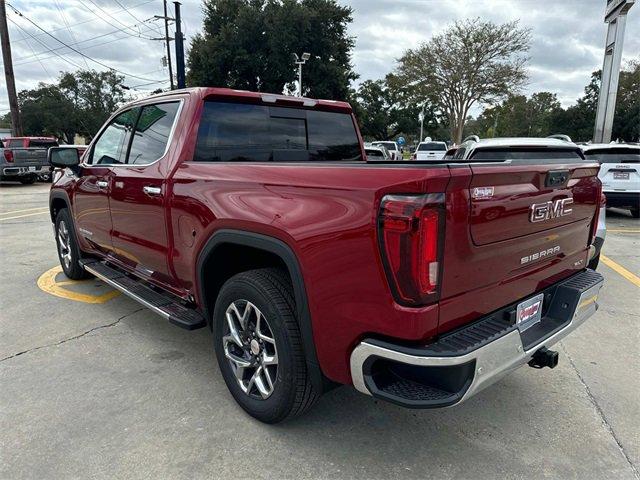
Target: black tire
593	264
69	254
28	180
269	290
635	212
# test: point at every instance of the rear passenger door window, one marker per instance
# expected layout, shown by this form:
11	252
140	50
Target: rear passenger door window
152	132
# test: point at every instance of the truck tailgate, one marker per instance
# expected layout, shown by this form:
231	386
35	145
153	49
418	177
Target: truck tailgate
512	230
30	156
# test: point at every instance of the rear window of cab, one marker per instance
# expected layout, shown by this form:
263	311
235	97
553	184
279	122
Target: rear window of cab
238	132
614	155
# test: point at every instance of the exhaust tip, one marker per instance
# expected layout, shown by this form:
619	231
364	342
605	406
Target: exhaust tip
544	358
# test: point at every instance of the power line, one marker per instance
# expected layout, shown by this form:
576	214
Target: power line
82	41
74	49
136	18
135	34
86	21
64	20
24	32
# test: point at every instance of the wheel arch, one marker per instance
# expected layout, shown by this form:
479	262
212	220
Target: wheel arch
274	249
57	201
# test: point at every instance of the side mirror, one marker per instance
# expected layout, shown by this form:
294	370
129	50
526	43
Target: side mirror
63	157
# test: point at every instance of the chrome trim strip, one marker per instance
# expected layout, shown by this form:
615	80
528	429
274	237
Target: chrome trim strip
132	295
493	361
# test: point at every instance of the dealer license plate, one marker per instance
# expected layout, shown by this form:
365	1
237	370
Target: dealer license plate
529	312
32	169
621	175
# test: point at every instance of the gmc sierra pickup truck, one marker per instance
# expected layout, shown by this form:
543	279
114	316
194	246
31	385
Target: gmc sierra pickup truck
25	159
257	216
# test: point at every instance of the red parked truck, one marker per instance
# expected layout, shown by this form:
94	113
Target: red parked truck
256	215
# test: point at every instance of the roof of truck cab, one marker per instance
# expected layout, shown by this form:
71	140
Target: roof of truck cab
604	146
471	146
257	97
523	142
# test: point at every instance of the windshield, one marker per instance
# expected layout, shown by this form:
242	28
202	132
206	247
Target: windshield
614	155
432	146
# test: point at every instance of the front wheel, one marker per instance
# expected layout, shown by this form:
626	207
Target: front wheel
68	250
259	347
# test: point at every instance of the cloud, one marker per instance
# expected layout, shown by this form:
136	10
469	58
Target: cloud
567	45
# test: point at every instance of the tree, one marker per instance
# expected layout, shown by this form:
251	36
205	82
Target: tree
249	44
519	116
78	104
471	62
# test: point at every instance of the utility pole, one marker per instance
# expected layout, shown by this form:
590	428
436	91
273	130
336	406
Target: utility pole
179	48
168	40
300	62
616	18
16	124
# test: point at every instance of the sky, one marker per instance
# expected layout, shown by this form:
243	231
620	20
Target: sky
567	37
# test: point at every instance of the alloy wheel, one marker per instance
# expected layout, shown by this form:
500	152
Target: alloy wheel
64	244
250	349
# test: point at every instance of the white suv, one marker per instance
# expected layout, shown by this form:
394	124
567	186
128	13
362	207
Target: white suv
619	173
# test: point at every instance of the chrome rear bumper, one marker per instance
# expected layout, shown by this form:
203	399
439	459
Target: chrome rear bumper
481	366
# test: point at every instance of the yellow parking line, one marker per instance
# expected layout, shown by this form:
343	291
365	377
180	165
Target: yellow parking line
25	210
621	270
22	216
47	283
626	230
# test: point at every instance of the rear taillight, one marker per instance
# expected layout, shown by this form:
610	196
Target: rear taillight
410	232
8	155
602	202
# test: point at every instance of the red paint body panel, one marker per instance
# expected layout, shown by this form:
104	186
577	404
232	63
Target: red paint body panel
327	214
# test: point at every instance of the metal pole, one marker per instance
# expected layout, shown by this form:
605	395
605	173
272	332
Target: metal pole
421	123
179	48
615	17
16	124
166	36
300	78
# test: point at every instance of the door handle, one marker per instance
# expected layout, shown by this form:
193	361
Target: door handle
102	184
152	191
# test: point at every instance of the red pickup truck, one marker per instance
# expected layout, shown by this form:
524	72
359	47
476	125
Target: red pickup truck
257	216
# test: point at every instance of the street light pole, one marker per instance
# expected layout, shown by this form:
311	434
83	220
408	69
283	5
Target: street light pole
300	62
616	18
422	121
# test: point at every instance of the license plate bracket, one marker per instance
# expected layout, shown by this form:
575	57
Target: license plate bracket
621	175
529	312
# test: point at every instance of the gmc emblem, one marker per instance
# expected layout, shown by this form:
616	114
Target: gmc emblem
540	212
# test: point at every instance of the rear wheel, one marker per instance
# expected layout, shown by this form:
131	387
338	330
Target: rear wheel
28	180
593	264
68	250
259	346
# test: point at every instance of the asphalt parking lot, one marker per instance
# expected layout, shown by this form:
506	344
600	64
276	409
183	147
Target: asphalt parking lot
109	390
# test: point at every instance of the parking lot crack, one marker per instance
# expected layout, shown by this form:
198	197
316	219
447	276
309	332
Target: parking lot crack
75	337
600	412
